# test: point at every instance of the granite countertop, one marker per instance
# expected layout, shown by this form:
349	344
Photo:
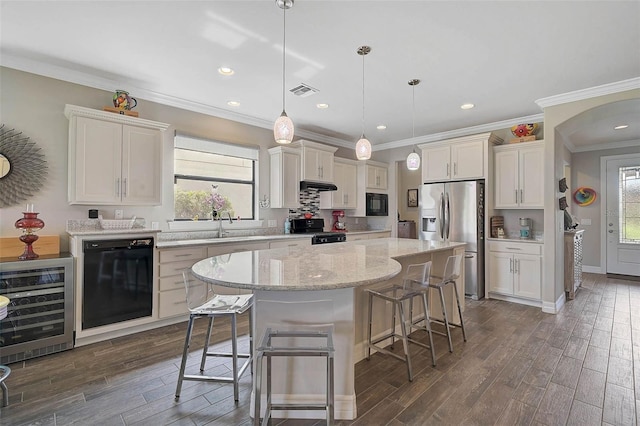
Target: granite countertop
319	267
167	240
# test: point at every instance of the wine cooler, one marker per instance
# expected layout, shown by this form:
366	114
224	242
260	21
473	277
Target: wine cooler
40	313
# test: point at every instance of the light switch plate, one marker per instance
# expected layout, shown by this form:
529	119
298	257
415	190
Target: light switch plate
118	214
272	223
585	221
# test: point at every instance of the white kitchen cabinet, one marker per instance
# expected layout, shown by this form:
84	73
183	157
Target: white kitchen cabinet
113	159
345	177
515	269
295	244
171	292
285	175
376	177
317	161
519	176
456	159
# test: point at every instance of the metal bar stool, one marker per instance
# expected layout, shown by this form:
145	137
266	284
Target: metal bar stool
4	370
295	338
204	303
451	274
415	283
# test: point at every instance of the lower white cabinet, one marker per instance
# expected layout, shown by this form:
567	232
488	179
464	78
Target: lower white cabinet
515	269
171	292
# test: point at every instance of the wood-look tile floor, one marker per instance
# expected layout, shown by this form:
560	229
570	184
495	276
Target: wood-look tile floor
519	366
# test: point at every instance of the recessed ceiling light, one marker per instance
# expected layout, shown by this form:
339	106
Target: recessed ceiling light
467	106
225	71
233	103
620	127
322	106
381	127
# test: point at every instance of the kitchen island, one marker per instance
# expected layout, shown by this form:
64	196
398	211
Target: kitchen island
337	272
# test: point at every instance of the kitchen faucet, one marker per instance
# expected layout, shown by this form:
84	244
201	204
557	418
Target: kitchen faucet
220	231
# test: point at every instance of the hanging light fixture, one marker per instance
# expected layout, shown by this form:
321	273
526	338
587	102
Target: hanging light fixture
413	159
363	146
283	127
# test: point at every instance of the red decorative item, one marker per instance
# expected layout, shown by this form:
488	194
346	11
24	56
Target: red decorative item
29	224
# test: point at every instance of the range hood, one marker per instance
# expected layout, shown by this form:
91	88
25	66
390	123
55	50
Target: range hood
320	186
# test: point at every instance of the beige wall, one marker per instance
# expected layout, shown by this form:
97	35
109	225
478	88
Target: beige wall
408	179
553	279
35	105
586	172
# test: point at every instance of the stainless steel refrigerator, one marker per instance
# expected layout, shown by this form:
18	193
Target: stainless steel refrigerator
454	211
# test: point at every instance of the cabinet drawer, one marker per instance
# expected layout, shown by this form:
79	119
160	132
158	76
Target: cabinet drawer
290	243
515	248
191	253
172	282
172	303
176	268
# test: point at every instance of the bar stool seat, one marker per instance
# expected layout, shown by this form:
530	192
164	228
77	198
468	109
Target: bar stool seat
204	303
295	340
4	370
451	274
415	283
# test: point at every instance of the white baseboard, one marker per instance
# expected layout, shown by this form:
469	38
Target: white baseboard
592	269
513	299
553	308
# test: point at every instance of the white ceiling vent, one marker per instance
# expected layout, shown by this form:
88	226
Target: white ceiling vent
303	90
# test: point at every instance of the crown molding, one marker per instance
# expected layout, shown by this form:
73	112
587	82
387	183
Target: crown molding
592	92
466	131
606	146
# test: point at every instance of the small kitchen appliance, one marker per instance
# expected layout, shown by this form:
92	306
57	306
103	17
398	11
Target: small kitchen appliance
338	221
525	228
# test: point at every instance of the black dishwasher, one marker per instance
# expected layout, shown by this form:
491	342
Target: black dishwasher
118	281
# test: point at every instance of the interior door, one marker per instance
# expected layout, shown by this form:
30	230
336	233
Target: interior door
623	215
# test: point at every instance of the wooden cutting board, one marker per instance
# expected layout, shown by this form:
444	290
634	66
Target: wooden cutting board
13	247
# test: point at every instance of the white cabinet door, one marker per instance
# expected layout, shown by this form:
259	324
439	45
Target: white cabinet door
113	159
506	179
436	164
501	272
531	178
376	177
285	178
317	165
97	159
141	166
519	176
468	160
527	276
350	185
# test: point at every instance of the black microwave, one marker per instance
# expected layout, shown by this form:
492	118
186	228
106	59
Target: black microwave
377	204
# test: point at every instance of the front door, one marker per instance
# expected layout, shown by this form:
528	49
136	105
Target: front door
623	215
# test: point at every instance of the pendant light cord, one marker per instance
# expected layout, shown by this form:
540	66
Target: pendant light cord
413	109
284	46
363	94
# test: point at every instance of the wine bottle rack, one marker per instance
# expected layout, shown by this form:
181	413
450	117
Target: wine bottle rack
40	313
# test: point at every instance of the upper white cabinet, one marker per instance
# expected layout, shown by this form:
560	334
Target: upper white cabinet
456	159
519	176
285	177
113	159
317	161
345	177
376	176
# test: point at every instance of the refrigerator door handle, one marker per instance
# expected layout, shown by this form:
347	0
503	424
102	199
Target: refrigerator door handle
442	223
448	216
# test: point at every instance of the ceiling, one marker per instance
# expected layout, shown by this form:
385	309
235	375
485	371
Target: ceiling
500	56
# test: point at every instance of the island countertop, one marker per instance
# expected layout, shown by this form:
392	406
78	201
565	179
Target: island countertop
319	267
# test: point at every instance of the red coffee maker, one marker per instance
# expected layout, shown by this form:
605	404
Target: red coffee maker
338	221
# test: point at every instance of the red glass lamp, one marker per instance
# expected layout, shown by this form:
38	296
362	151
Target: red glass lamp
29	225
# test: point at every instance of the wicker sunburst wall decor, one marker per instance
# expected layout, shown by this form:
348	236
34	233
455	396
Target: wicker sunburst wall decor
26	165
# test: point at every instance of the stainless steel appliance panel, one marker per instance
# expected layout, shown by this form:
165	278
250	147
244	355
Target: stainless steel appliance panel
462	211
431	212
471	273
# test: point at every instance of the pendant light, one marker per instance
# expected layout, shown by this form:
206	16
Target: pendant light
413	160
363	146
283	127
